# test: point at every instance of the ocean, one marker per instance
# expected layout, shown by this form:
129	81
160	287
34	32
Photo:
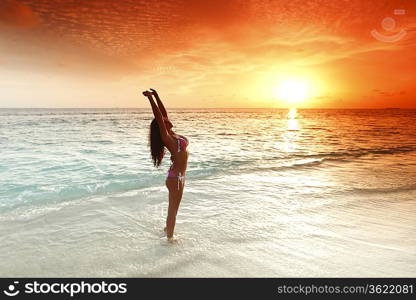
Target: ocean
269	193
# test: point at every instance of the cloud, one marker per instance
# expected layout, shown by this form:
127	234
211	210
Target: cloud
389	93
18	15
203	46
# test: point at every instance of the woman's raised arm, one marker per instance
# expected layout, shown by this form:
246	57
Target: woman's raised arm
158	116
159	103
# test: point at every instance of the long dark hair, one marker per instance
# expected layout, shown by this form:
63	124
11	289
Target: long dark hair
157	147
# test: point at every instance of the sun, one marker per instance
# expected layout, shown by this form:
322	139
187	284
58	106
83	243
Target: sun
292	91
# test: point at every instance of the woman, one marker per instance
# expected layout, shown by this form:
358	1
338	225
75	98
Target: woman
161	136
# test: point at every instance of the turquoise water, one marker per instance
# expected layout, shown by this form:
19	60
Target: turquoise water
268	193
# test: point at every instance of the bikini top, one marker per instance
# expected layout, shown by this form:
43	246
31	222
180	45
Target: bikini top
182	143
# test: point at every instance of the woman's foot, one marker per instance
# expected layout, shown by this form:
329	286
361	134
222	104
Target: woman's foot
172	240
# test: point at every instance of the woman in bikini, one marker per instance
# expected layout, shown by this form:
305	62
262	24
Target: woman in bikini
162	136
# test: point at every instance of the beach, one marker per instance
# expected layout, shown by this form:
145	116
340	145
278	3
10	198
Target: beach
269	193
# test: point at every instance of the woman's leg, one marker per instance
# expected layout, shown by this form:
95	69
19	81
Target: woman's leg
175	197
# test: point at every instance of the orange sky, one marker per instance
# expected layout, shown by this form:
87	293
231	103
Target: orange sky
230	53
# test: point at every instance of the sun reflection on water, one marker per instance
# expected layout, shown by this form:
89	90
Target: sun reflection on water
289	137
292	122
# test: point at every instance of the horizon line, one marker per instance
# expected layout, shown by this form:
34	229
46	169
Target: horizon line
368	108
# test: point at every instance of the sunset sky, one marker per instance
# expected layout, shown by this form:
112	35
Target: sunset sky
230	53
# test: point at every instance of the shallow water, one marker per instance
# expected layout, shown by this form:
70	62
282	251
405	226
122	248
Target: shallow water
268	193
